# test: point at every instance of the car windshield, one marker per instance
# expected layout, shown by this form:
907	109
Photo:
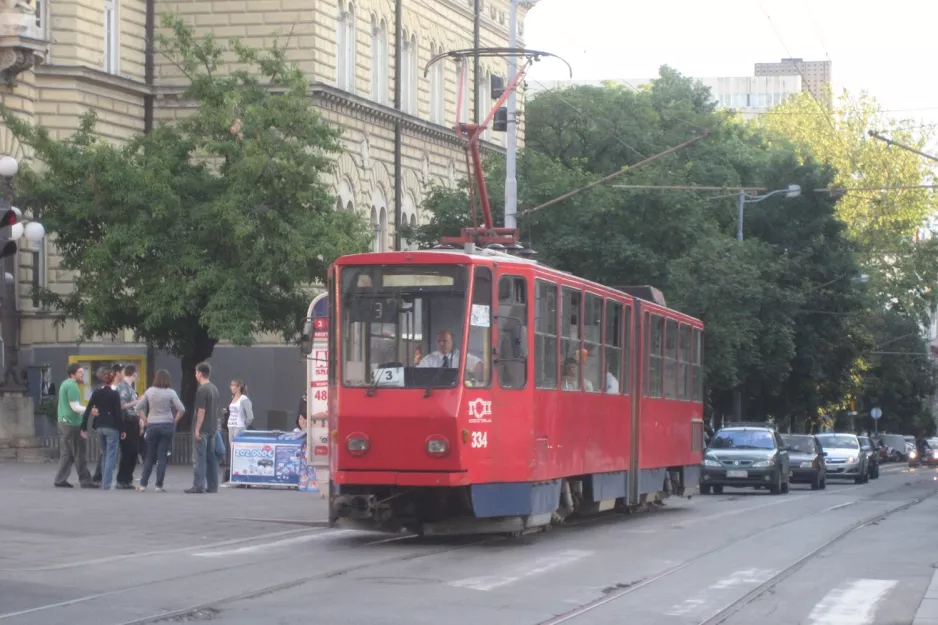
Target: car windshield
839	441
397	322
803	444
743	439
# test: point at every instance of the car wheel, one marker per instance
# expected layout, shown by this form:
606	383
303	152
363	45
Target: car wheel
816	483
704	489
717	490
776	488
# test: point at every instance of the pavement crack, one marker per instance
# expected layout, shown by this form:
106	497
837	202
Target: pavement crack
608	590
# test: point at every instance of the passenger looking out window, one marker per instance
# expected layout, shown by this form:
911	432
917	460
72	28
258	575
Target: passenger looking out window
571	380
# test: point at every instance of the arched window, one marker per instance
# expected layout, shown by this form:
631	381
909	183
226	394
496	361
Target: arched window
376	244
407	73
413	224
383	230
379	60
437	87
414	74
345	44
485	101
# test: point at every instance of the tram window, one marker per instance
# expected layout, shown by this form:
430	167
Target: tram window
480	331
625	380
592	339
698	365
683	363
545	335
654	344
511	363
670	359
613	347
570	343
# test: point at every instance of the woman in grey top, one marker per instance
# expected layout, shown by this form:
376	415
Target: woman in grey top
158	403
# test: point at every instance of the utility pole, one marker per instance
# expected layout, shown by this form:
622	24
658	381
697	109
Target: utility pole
477	39
511	180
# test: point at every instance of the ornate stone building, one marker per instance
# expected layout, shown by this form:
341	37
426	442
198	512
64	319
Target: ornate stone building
61	58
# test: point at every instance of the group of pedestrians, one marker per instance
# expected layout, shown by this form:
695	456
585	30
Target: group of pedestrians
129	424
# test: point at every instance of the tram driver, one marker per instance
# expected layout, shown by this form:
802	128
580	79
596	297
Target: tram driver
447	356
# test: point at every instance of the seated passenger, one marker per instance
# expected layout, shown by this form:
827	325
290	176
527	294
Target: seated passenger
571	377
447	356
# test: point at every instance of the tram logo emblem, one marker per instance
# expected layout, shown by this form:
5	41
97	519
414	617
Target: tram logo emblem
479	408
736	463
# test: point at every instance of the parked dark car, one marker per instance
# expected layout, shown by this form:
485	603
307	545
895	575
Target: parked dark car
742	457
872	466
807	460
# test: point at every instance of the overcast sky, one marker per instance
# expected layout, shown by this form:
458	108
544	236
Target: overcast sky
886	48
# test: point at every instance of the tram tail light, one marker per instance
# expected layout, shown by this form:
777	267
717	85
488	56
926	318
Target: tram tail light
358	444
437	446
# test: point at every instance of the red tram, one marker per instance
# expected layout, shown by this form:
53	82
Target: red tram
473	390
561	395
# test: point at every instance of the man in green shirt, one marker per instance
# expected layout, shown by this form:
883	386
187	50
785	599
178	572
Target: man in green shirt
72	447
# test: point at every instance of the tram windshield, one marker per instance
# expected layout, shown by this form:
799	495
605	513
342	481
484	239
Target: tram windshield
402	325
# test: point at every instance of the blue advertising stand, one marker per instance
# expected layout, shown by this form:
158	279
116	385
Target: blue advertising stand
268	458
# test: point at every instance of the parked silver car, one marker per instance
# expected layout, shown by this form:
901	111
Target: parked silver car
844	457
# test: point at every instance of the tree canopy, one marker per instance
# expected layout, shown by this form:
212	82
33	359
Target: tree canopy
787	310
207	229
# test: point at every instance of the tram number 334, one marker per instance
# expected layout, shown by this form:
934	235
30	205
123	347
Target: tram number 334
480	439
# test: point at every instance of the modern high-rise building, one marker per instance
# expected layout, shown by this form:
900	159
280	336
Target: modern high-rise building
61	59
815	76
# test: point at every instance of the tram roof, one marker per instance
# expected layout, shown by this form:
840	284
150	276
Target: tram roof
472	252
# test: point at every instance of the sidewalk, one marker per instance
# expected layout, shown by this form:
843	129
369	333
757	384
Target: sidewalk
44	525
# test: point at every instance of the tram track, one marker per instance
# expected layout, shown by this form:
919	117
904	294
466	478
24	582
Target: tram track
620	591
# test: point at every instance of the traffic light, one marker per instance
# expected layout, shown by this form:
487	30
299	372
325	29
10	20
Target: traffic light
8	249
10	216
498	87
500	122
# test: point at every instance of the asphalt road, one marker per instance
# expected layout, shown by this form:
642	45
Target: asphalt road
849	555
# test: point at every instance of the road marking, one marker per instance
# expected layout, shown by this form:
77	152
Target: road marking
744	577
266	546
851	603
720	515
522	571
160	552
839	506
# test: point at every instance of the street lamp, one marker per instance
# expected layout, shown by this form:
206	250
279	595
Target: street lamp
791	191
33	232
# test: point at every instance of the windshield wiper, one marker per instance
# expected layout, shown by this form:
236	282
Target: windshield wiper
374	385
433	381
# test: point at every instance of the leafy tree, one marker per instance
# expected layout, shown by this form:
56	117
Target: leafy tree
904	273
899	376
205	230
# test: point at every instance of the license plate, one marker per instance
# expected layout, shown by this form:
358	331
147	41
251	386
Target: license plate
737	474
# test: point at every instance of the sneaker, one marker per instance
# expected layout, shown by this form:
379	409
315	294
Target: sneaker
159	489
64	485
141	489
195	491
89	485
121	486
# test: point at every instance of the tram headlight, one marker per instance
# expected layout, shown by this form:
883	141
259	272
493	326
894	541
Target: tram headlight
437	446
357	444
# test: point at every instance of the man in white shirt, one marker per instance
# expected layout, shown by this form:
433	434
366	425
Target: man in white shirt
447	357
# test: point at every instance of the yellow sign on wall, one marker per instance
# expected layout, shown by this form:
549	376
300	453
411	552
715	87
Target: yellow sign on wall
92	362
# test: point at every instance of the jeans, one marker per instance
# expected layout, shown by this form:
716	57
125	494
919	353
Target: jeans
206	463
159	439
110	439
72	449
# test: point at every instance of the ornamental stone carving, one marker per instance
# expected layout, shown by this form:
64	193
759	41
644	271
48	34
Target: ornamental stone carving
21	39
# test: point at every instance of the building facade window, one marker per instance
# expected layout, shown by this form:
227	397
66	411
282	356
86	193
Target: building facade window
485	102
464	85
382	244
345	48
111	37
406	73
379	60
437	87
